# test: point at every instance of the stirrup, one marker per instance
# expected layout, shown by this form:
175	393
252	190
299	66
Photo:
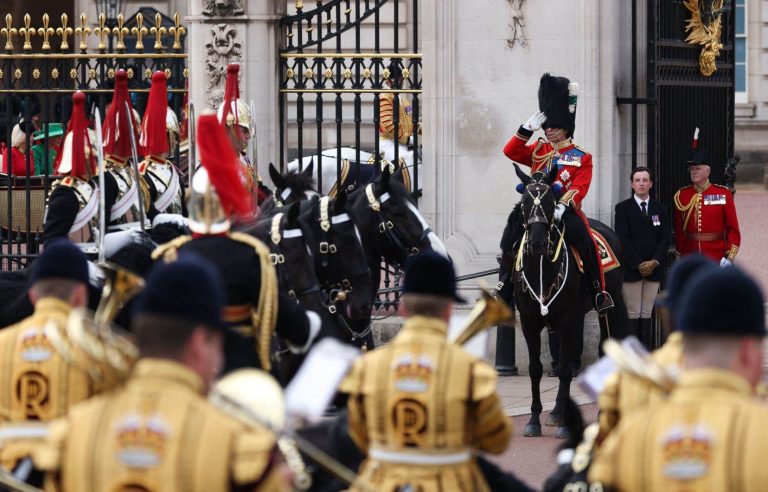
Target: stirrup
603	302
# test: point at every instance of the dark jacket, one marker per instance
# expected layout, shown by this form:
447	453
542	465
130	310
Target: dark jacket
643	238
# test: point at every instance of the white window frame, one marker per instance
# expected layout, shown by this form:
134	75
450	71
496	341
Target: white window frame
742	97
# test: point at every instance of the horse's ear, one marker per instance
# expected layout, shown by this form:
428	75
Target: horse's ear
552	176
340	204
524	178
308	170
277	178
385	175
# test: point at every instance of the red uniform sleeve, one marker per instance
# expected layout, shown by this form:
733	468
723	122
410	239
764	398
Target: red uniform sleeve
517	148
732	233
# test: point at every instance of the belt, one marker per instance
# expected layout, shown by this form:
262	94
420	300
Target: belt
704	236
237	313
411	458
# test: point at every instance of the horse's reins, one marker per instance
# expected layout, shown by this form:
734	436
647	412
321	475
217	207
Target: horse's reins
277	234
387	227
336	291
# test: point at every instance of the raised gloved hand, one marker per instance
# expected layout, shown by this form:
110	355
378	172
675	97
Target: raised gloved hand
559	211
535	121
725	262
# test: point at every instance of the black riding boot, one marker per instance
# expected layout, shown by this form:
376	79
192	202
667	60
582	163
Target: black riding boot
576	230
633	328
644	332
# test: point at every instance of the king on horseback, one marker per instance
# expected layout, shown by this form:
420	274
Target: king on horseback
557	115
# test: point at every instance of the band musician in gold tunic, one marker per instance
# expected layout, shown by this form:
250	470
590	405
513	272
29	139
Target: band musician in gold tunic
420	407
709	434
159	433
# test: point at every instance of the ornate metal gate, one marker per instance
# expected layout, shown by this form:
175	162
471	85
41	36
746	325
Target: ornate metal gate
41	67
337	62
685	97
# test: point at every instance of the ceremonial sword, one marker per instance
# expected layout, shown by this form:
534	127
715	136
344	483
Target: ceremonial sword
102	195
135	165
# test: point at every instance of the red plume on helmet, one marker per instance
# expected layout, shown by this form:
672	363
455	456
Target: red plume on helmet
224	169
71	158
153	139
231	93
116	131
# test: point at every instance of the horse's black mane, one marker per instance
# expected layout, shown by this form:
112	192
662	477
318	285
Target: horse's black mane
512	220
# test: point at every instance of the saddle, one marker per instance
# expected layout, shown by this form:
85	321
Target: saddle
608	258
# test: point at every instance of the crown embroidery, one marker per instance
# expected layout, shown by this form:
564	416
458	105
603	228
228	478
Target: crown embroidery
35	346
413	374
687	451
141	440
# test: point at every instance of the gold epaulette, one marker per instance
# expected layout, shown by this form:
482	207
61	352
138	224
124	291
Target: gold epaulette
169	251
265	314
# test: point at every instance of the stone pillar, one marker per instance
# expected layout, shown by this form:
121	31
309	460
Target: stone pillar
246	32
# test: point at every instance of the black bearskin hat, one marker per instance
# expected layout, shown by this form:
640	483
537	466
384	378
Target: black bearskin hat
699	153
557	100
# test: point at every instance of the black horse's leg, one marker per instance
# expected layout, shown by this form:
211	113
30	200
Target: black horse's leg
532	331
571	329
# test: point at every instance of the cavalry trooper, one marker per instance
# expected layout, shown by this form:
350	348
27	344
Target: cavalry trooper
705	215
394	136
254	309
73	203
709	433
420	406
235	114
158	431
557	115
121	187
625	392
159	129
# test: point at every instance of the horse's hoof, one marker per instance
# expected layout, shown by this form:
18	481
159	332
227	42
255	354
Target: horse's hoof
532	430
562	433
554	420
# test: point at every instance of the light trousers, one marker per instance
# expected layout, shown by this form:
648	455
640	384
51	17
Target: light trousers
640	297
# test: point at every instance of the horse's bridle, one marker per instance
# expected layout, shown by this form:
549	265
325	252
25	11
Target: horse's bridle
277	234
388	228
536	215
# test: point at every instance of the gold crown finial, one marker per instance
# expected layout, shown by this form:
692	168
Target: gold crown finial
178	31
9	32
46	32
139	31
64	32
120	31
102	31
83	31
158	31
27	32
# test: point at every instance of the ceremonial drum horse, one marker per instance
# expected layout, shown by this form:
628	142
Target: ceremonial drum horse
548	291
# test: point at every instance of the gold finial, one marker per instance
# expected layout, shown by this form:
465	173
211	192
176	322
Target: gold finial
158	31
139	31
120	31
102	31
46	32
299	4
64	32
9	32
83	31
27	32
178	31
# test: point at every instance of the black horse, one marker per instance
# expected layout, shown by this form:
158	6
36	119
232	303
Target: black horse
550	291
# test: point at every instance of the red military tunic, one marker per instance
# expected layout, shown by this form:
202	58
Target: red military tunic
706	222
573	162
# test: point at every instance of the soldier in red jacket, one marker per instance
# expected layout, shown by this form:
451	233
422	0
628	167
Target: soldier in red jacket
705	215
557	115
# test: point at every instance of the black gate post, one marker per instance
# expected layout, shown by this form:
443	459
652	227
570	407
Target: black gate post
505	351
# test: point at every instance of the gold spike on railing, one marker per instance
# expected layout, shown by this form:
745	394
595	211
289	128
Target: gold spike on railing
83	31
46	32
64	32
158	31
27	31
120	31
139	31
9	32
178	31
102	31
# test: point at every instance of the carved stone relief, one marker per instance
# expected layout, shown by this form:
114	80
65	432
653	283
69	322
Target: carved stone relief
222	49
516	24
223	8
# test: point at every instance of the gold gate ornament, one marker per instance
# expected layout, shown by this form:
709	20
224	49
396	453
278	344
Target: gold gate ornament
704	28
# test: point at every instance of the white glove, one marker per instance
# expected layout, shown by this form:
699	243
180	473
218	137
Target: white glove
560	210
725	262
535	121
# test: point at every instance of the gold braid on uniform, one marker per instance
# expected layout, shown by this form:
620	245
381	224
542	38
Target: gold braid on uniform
144	190
541	161
264	315
686	209
169	251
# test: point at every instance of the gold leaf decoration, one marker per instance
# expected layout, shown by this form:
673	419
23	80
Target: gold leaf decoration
17	73
704	29
36	73
111	73
55	73
73	74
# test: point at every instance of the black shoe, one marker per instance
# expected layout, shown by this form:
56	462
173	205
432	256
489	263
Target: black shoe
603	302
